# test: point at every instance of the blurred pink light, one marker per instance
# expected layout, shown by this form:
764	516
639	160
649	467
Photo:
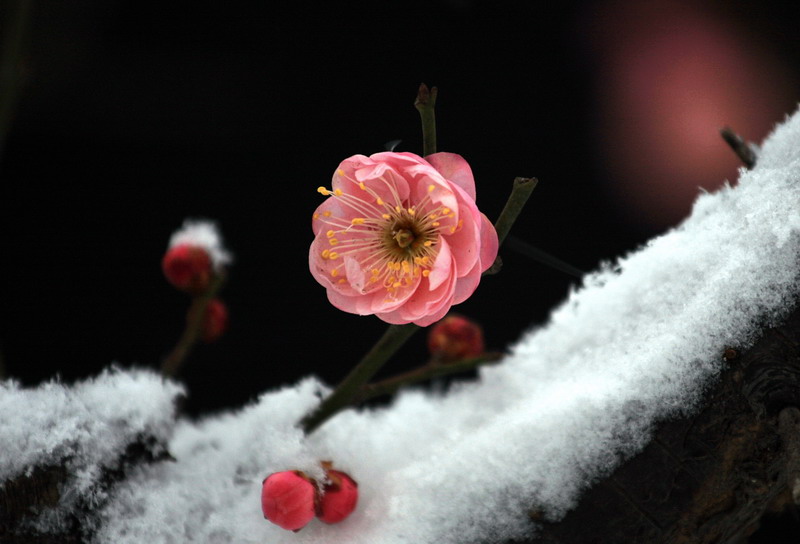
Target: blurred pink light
669	76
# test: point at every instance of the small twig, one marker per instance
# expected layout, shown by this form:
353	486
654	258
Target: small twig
543	257
430	371
191	333
743	150
15	33
425	104
394	337
520	192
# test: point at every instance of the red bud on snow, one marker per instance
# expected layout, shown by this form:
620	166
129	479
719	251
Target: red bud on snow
339	497
215	321
455	338
187	267
288	499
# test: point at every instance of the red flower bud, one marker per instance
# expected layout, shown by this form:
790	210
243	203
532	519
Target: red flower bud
339	497
188	268
455	338
215	321
288	498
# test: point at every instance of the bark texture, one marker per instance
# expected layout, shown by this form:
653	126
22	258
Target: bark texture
711	478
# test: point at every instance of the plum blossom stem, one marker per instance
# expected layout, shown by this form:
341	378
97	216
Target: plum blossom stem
430	371
425	104
520	192
191	333
743	150
394	337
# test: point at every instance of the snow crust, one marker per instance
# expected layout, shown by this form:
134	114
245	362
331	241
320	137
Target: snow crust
203	234
636	344
85	427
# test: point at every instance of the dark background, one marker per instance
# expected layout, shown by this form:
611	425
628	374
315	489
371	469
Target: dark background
133	116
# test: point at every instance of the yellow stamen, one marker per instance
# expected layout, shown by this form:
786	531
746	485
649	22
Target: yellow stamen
431	187
330	234
342	280
315	216
323	191
435	224
445	211
326	253
426	273
335	272
340	171
428	243
386	216
326	213
333	241
397	284
333	255
357	221
375	271
412	211
379	201
337	192
362	186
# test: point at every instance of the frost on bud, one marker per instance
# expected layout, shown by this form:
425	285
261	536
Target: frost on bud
188	268
215	321
288	499
339	497
455	338
194	255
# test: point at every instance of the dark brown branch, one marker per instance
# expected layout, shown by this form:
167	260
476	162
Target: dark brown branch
425	373
709	478
743	150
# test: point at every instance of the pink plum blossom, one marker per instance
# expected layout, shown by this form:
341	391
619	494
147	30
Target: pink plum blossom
400	236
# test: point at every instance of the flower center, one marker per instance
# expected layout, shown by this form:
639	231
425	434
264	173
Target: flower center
394	244
403	237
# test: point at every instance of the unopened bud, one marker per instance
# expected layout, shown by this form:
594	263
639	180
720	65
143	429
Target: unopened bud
288	499
339	498
188	268
455	338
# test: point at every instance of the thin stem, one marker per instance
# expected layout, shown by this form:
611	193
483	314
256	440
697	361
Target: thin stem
425	104
743	150
11	62
390	386
394	337
520	192
191	333
543	257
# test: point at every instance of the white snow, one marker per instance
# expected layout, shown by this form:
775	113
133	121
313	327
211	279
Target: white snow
204	234
636	344
86	427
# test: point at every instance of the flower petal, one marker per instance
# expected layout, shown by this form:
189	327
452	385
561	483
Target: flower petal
489	243
454	168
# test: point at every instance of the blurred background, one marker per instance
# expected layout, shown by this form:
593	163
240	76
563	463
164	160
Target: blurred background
131	116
